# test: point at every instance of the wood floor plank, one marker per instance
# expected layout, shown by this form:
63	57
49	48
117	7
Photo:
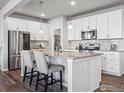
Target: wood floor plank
12	82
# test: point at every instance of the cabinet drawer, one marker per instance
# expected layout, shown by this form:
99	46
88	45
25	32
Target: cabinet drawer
113	61
114	55
113	58
113	68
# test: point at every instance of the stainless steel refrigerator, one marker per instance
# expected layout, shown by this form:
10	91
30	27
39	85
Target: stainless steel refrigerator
17	41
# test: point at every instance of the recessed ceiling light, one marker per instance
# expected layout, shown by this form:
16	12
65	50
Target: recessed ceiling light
42	14
73	2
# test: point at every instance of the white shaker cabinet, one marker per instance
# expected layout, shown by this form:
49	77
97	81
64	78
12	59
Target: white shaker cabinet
31	28
22	25
77	29
86	26
71	32
102	26
89	23
45	34
37	29
17	24
112	63
12	23
34	28
93	22
75	33
115	24
110	25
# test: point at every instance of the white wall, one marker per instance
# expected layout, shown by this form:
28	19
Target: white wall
59	23
6	11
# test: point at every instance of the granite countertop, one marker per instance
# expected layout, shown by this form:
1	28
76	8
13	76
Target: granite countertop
68	54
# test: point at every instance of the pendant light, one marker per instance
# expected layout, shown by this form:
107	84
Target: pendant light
72	3
42	15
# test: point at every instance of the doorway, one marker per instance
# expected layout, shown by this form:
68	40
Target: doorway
57	39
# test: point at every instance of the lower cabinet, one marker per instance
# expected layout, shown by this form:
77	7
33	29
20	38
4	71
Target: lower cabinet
112	63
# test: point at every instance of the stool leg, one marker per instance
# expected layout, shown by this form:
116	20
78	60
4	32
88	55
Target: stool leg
37	80
61	84
25	73
46	82
31	76
51	78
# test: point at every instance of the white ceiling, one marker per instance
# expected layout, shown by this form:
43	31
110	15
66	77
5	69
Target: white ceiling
3	3
55	8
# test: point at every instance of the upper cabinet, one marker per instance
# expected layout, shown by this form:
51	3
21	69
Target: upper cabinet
22	25
86	26
17	24
71	32
32	29
12	23
115	20
75	33
29	26
77	29
102	26
93	22
89	23
110	25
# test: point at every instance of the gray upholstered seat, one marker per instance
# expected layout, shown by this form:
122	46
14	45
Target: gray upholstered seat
55	68
46	69
43	66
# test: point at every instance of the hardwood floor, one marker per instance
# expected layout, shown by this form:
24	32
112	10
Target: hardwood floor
12	82
111	84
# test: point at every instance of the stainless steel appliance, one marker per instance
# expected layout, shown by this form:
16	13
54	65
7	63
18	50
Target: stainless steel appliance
17	41
113	47
89	34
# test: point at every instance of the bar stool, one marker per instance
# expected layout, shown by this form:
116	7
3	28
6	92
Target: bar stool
28	63
46	69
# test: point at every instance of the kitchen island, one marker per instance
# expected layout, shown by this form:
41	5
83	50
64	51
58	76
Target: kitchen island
82	70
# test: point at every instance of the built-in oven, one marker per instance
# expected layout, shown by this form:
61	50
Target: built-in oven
92	34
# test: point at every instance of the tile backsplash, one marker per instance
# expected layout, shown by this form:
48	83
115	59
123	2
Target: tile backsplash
36	44
104	44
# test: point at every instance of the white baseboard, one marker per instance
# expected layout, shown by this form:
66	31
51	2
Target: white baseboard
4	69
111	73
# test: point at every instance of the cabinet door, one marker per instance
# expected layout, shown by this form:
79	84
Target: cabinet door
115	24
45	34
71	32
22	25
95	73
86	26
12	23
102	26
78	28
78	78
104	61
31	29
37	29
93	22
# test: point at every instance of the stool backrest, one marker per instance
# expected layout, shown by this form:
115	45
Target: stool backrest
27	59
41	62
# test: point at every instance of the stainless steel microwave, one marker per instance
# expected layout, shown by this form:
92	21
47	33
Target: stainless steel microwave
89	34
